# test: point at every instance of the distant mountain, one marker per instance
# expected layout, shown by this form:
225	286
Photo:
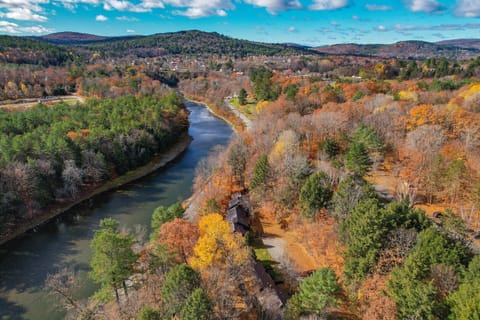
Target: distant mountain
73	38
24	50
461	43
191	42
407	50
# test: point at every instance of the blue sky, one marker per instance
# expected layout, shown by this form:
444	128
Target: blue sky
311	22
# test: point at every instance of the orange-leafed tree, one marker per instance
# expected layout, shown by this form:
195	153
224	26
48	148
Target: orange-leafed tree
180	237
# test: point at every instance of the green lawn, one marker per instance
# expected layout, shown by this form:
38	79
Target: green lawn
247	109
266	259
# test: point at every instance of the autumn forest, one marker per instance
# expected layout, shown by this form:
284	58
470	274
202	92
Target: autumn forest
350	189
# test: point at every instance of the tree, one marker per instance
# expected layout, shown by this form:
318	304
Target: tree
315	194
179	236
242	96
148	313
413	286
113	258
180	283
331	148
237	159
465	302
163	214
261	173
357	159
363	230
368	137
217	245
350	192
315	294
197	307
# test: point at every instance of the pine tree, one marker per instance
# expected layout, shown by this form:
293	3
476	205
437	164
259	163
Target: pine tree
357	159
315	194
260	173
316	293
179	284
113	257
242	97
197	307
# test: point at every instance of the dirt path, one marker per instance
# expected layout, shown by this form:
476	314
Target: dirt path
282	244
248	122
29	103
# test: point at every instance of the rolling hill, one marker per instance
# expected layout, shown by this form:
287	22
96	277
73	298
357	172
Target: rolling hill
453	49
192	42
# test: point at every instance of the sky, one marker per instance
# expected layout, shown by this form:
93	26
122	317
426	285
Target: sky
307	22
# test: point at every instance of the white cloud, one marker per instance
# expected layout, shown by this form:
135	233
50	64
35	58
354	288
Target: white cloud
110	5
355	18
292	29
273	6
201	8
23	9
101	18
127	19
24	14
375	7
329	4
381	28
130	31
468	8
13	28
423	5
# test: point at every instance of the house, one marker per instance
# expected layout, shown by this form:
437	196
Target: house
238	214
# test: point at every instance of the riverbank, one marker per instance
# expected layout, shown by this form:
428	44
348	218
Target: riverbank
235	126
156	163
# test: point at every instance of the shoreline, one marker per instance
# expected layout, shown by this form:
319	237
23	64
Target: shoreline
155	164
232	125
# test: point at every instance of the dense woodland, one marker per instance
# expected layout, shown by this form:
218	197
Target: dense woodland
370	165
49	154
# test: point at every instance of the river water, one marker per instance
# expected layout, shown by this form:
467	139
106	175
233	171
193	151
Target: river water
25	262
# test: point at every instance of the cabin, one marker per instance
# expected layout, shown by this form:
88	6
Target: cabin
238	214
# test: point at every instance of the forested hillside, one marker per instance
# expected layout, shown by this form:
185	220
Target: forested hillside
52	154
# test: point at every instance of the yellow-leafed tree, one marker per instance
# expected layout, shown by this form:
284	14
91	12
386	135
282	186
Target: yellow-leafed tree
217	244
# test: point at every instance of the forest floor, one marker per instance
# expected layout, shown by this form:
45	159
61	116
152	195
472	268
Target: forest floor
283	245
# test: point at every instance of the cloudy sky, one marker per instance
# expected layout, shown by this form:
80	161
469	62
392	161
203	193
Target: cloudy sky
311	22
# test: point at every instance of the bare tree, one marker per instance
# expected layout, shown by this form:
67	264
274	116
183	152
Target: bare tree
72	178
62	284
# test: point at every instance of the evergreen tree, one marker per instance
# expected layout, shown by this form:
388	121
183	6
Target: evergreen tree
315	294
197	307
179	284
163	214
148	313
260	173
315	194
331	148
237	159
357	159
242	96
465	302
350	192
113	258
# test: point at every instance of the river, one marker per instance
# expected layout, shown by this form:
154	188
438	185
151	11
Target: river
26	261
